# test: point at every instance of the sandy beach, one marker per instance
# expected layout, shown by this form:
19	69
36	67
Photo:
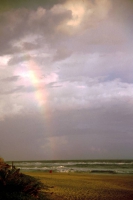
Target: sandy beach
85	186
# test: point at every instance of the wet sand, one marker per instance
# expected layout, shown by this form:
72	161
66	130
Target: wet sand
85	186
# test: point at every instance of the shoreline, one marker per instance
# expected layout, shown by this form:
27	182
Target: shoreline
79	166
86	186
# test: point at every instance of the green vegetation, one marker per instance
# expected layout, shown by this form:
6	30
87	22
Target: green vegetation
17	186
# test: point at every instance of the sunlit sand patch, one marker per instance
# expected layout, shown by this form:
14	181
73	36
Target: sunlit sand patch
85	186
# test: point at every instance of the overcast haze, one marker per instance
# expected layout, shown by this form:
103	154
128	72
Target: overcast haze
66	79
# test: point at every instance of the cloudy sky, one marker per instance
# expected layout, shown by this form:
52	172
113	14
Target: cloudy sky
66	79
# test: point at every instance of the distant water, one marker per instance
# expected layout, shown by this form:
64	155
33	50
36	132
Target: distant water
90	166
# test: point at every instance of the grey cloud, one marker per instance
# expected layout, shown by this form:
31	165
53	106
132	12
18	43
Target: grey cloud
30	46
22	22
100	120
6	47
90	105
13	27
11	79
93	95
11	91
93	130
21	130
61	54
123	12
19	89
106	36
53	85
28	89
17	59
111	66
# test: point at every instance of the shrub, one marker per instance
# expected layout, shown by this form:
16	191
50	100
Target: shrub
18	186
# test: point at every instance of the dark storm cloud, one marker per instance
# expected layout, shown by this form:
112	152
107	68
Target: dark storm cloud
22	22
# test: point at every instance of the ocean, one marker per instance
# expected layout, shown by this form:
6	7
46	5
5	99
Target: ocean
89	166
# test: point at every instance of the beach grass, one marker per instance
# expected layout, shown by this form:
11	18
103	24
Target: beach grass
85	186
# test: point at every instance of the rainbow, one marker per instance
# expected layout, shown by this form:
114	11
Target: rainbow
31	74
35	76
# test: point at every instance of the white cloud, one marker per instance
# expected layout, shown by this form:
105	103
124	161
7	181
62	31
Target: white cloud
83	14
4	61
79	95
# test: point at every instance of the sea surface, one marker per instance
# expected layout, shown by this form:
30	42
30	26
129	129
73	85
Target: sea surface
90	166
